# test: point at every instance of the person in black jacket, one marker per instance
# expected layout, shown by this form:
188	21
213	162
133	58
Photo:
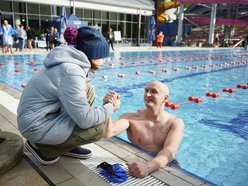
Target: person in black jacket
48	34
29	38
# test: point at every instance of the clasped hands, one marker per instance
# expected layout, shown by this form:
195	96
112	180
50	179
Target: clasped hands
114	99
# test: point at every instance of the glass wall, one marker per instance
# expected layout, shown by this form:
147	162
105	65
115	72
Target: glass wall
39	16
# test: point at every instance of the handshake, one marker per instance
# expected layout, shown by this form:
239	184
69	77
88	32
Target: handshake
114	99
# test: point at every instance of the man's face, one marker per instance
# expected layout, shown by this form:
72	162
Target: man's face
154	95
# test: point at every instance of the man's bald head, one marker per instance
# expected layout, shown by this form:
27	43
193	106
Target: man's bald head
161	86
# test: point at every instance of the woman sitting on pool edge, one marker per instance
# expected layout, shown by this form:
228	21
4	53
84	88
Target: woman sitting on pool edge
55	112
152	129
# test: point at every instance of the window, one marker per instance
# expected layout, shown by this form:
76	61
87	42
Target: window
45	22
79	13
97	14
45	9
135	30
123	29
87	13
33	21
21	19
113	16
6	6
19	7
122	17
129	17
128	30
142	28
104	15
105	27
33	8
113	25
68	12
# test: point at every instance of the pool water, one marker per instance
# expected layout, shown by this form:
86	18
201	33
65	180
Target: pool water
215	144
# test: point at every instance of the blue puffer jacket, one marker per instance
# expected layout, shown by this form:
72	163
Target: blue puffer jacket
54	100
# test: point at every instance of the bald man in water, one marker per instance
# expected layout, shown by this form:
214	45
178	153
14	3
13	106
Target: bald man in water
152	129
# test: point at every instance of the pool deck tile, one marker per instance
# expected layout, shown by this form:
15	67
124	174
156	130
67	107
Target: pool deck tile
22	175
115	149
170	179
71	182
55	173
184	176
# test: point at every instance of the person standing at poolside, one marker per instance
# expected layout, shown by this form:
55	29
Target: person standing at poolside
55	113
110	38
152	129
7	36
29	38
48	34
22	37
160	39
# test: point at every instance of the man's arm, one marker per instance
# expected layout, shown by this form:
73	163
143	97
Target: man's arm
171	144
167	154
116	127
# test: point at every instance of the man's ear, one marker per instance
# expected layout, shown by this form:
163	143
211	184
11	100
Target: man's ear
165	98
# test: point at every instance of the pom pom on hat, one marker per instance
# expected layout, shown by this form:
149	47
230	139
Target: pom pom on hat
70	35
92	43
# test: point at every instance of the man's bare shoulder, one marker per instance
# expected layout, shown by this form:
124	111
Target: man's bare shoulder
130	115
176	122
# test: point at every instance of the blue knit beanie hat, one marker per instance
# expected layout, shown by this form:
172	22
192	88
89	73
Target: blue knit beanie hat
92	43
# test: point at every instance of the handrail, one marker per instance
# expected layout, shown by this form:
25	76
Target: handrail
242	2
238	43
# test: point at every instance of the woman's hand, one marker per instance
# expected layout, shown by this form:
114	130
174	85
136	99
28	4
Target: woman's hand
114	99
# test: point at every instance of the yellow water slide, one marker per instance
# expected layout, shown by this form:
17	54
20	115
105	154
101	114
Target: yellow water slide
166	10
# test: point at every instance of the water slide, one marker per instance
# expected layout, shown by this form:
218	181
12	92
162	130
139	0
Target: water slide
166	11
219	21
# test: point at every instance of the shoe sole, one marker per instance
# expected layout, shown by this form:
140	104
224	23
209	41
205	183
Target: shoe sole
38	158
80	156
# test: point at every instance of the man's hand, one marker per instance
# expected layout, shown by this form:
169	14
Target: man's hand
114	99
138	169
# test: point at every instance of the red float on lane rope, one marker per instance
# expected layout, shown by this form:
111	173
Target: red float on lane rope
36	69
18	70
191	98
197	100
242	86
215	95
32	63
168	104
209	94
165	70
230	90
17	63
174	106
